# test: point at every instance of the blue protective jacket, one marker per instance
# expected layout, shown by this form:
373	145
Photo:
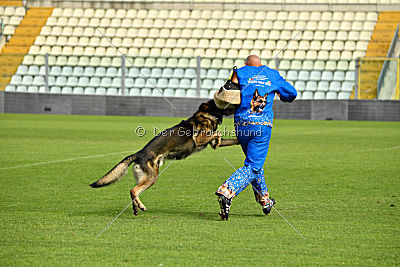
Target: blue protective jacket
258	86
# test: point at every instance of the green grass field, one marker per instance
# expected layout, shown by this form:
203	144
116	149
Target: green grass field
337	182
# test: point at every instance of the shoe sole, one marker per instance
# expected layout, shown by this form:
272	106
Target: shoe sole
224	216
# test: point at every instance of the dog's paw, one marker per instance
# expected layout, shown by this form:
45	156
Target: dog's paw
215	143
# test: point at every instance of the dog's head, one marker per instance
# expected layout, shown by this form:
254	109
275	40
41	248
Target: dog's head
210	108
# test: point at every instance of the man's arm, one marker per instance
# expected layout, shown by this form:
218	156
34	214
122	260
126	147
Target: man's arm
286	91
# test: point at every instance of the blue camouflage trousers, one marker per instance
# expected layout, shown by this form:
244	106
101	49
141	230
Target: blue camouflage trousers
254	140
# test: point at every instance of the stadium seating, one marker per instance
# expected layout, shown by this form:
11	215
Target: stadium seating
163	45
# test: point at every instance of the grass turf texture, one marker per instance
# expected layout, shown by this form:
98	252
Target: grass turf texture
337	182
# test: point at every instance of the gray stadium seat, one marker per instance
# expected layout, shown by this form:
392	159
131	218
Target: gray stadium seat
167	73
173	83
89	71
78	71
334	86
300	86
344	96
223	74
134	92
323	86
66	90
315	75
72	81
10	88
291	75
156	72
112	72
33	89
140	83
350	76
89	91
184	84
83	81
78	90
207	84
94	82
307	95
21	88
169	92
133	73
178	73
180	93
112	91
100	91
61	81
191	93
319	95
146	71
55	71
347	86
311	86
27	80
338	76
33	70
106	82
22	70
303	75
327	75
212	74
331	95
67	71
55	90
145	92
204	93
190	73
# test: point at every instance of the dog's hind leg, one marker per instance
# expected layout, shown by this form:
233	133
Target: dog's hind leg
145	179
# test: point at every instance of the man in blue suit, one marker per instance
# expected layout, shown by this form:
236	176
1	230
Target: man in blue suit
253	123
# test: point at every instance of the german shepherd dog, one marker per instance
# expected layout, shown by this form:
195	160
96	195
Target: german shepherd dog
178	142
258	102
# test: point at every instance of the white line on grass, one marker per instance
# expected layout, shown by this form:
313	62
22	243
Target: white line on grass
63	160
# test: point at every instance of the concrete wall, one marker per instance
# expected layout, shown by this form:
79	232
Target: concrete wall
11	102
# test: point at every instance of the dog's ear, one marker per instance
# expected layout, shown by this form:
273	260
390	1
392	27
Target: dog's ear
208	106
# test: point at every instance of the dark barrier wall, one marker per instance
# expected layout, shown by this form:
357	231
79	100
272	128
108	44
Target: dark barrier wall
11	102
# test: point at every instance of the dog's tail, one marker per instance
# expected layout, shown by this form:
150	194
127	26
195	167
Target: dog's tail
116	173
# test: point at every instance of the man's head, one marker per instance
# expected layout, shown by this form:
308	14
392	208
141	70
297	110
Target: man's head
253	60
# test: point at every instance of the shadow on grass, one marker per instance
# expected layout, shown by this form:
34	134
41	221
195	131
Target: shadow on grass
157	213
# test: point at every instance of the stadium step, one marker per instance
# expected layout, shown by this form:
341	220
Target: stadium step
378	46
10	3
19	44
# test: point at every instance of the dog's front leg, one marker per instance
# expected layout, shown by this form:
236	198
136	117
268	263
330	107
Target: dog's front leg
229	142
